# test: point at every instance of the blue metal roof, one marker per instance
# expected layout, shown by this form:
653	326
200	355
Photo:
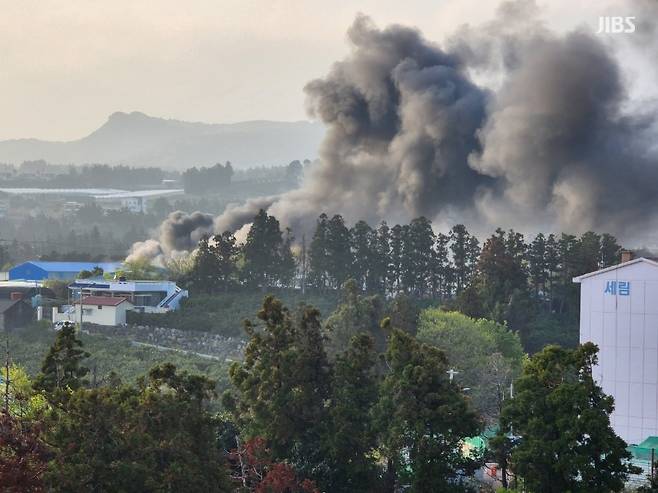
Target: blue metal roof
74	267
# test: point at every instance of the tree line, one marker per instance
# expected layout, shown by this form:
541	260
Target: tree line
508	278
410	259
298	419
42	174
207	179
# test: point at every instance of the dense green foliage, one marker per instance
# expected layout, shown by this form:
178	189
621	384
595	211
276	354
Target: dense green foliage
331	419
354	433
486	354
108	355
424	417
62	369
561	416
296	420
155	436
527	285
283	383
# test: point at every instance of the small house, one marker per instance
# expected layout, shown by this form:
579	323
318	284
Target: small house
15	313
99	310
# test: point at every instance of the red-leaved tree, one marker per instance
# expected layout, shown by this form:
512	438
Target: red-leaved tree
23	456
256	472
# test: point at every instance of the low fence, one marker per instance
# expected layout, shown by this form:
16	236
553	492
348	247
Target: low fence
645	459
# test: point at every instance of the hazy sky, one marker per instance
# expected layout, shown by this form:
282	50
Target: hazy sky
66	65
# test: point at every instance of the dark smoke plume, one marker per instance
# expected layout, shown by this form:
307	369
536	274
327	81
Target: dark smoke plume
550	144
560	146
178	234
237	215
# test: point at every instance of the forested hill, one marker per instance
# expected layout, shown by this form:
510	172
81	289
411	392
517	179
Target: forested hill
141	140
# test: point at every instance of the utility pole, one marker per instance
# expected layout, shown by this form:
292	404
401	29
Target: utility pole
7	372
80	303
303	262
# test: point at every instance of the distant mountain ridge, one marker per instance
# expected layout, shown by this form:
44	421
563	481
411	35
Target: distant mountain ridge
136	139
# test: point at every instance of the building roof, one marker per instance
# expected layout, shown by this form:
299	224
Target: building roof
73	267
615	267
103	300
140	194
6	288
7	304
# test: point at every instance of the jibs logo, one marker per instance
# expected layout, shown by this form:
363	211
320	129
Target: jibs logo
616	25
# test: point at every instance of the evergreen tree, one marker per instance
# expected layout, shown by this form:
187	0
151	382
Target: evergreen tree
355	315
538	264
379	280
262	251
226	252
421	255
339	255
552	265
63	369
407	267
361	240
563	419
156	436
565	292
501	272
499	450
589	252
282	385
319	255
396	259
423	417
610	251
442	274
352	437
206	271
465	253
403	314
287	265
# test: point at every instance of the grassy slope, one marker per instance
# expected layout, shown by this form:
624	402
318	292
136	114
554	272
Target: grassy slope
224	313
28	348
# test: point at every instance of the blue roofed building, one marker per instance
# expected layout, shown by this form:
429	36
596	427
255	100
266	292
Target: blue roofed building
36	270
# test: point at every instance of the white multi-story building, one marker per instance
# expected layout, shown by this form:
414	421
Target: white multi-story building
145	296
619	313
141	296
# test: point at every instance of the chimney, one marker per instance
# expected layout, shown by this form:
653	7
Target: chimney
626	256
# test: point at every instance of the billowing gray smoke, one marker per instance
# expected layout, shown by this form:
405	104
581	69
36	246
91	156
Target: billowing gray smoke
178	234
237	216
561	149
401	119
410	133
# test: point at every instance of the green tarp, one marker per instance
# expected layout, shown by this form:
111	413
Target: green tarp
643	450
